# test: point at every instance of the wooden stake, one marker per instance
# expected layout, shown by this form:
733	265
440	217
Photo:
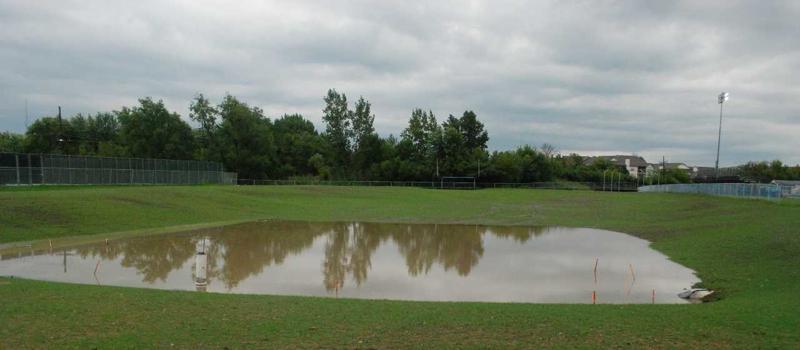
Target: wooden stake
632	274
628	288
596	260
654	296
594	297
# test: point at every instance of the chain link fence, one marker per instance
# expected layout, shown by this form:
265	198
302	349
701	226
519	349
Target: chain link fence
45	169
748	190
587	186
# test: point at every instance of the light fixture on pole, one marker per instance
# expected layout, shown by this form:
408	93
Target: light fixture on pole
721	100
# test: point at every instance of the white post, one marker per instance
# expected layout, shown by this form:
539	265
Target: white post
604	180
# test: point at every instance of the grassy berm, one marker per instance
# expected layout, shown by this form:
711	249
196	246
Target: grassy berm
748	250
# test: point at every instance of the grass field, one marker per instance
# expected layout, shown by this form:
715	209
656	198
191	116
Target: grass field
749	250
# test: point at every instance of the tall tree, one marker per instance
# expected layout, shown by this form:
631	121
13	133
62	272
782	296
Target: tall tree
361	121
367	145
337	127
204	113
422	133
454	151
151	131
472	129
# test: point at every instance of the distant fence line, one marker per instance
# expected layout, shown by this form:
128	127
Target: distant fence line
588	186
39	169
749	190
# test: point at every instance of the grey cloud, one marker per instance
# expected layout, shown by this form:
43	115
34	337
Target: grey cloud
589	76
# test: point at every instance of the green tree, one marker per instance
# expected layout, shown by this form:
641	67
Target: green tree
367	145
474	134
525	164
422	133
49	135
454	152
103	133
362	122
460	139
337	128
321	168
246	139
151	131
370	152
11	142
297	141
204	113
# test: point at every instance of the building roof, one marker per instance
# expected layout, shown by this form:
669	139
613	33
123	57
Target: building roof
675	165
635	161
669	165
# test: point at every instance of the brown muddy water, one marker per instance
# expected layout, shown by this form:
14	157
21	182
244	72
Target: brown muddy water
376	261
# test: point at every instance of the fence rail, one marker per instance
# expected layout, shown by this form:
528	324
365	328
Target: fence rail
748	190
35	169
593	186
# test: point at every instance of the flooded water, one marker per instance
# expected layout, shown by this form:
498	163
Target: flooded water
376	261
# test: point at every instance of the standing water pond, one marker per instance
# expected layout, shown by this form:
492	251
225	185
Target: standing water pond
376	261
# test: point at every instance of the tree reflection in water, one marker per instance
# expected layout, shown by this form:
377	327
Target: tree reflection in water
348	249
153	257
237	252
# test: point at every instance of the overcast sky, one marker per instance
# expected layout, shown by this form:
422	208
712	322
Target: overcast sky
590	77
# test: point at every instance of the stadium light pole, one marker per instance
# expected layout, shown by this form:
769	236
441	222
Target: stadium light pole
721	100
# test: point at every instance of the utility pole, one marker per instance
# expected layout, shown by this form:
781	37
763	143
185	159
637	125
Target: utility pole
721	100
26	114
60	132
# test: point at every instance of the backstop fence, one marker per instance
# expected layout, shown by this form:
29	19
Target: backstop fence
45	169
750	190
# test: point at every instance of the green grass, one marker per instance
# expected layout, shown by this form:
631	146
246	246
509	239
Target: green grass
749	250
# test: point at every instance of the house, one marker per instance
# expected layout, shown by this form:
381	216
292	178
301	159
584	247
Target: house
635	165
655	167
671	166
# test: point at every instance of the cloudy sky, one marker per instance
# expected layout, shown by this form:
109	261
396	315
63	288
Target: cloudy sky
591	77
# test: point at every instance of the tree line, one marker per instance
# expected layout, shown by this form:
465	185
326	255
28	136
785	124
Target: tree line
246	141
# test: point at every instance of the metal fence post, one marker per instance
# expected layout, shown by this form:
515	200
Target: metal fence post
41	168
16	159
69	169
30	170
